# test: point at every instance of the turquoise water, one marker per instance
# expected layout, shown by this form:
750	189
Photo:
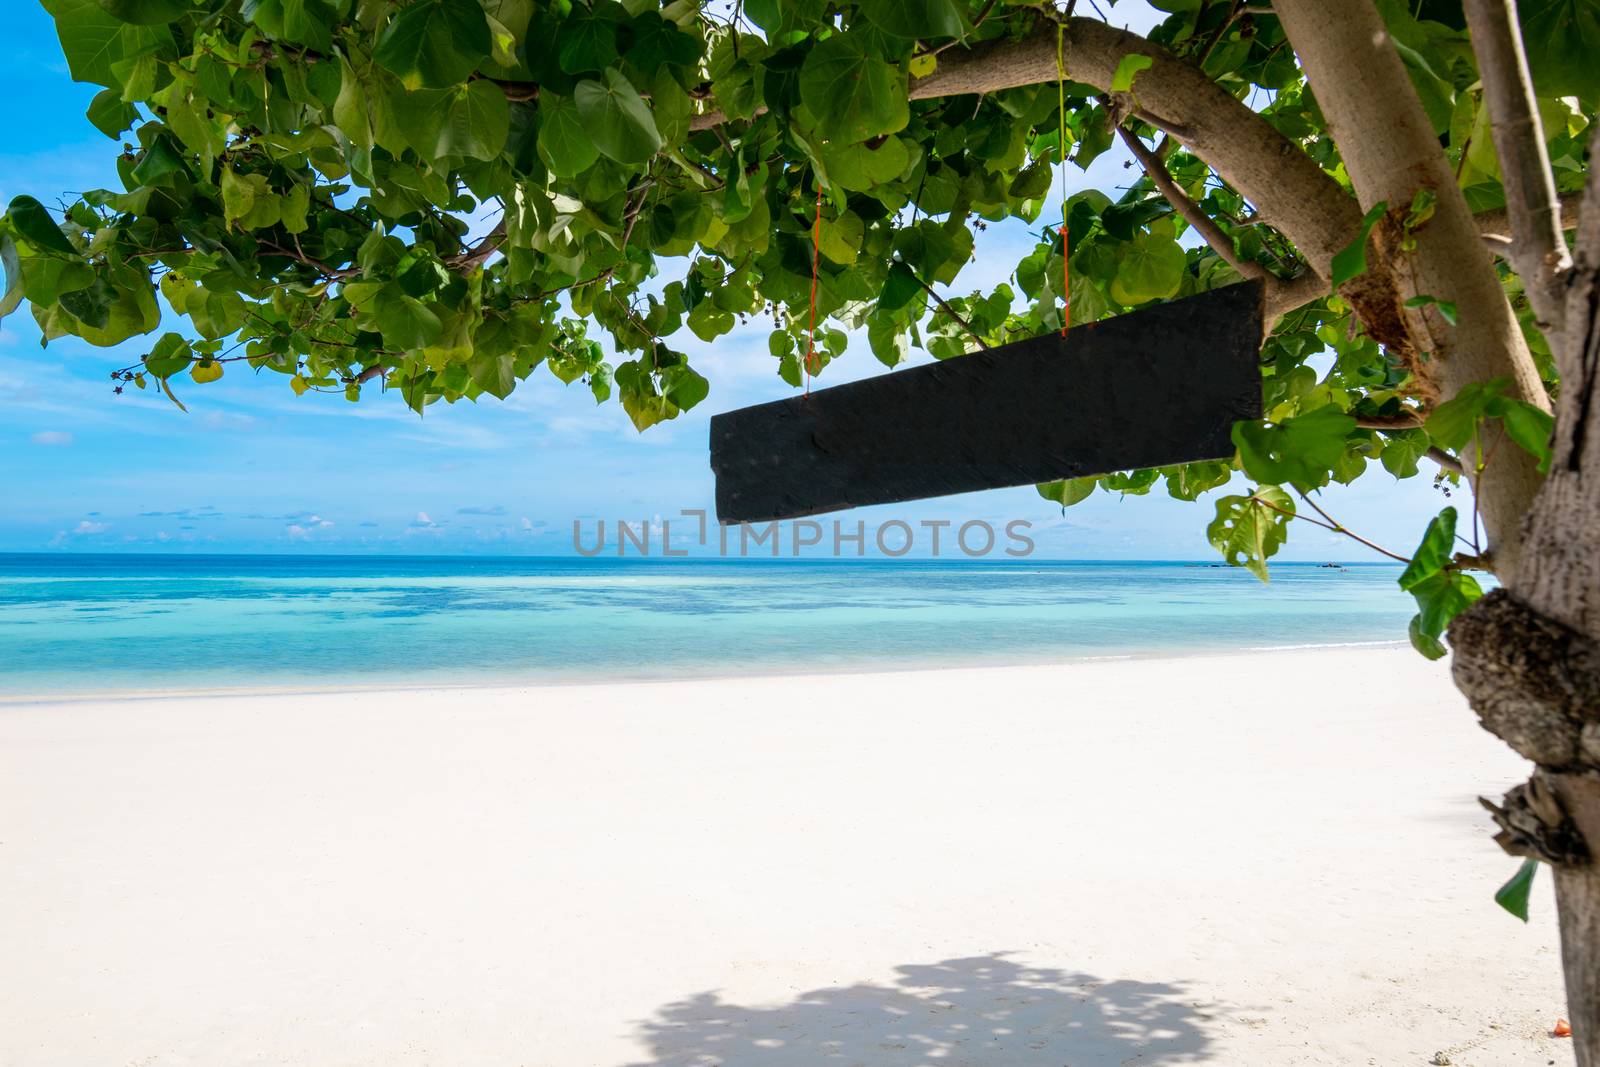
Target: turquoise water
87	623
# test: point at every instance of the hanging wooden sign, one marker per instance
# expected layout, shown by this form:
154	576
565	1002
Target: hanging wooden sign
1154	387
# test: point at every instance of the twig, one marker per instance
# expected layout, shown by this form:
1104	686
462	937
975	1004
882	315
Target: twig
1405	420
479	254
1329	523
948	310
982	14
1203	224
1538	250
333	273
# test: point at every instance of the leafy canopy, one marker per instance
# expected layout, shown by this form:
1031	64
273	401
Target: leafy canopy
442	196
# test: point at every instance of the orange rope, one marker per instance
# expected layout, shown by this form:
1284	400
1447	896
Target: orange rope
816	251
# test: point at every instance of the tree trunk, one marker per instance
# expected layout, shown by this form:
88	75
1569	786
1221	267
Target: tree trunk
1527	656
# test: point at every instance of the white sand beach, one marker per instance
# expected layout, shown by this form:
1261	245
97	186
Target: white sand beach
1265	859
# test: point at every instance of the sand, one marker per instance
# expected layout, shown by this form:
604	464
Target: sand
1267	859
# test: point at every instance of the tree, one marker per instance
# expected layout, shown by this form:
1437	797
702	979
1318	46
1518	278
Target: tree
309	182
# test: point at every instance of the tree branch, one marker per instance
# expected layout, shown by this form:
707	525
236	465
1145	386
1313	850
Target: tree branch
1203	224
479	254
1538	250
1497	223
948	310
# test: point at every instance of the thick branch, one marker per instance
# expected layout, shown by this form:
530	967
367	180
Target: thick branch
1271	171
1392	154
1538	249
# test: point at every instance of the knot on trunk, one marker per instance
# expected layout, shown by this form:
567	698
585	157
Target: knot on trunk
1533	823
1534	682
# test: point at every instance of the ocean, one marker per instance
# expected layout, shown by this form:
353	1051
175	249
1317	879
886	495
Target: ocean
83	624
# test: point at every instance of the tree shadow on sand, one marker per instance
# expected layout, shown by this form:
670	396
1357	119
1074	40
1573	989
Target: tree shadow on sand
984	1010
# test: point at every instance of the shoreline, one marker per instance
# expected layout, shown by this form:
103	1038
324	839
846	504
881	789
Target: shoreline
551	681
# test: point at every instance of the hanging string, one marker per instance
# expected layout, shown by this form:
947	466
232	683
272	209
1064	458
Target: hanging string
1061	158
816	251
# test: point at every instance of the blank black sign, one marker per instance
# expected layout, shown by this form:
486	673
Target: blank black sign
1159	386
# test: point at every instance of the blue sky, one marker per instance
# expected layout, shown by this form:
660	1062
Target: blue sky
253	468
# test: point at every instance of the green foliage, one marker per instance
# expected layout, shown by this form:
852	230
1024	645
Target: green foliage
1250	529
1513	896
1562	38
1304	451
434	44
1128	68
1460	421
1441	588
433	199
1068	492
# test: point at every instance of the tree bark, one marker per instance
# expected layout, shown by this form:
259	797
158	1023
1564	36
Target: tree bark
1529	658
1561	582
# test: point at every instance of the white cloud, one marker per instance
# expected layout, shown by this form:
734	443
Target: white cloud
86	527
52	438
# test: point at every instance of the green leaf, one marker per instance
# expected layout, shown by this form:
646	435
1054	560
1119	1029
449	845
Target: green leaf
248	200
92	304
1128	68
1441	589
1301	451
1562	38
94	40
684	386
916	20
494	374
1430	647
170	355
617	120
887	338
1247	532
1150	267
1069	491
840	240
564	142
471	121
854	95
13	268
166	387
1351	261
898	288
1530	427
146	12
34	224
1513	896
405	321
658	43
1401	451
1452	424
434	44
587	41
110	115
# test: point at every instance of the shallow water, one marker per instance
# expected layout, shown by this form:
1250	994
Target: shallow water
88	623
